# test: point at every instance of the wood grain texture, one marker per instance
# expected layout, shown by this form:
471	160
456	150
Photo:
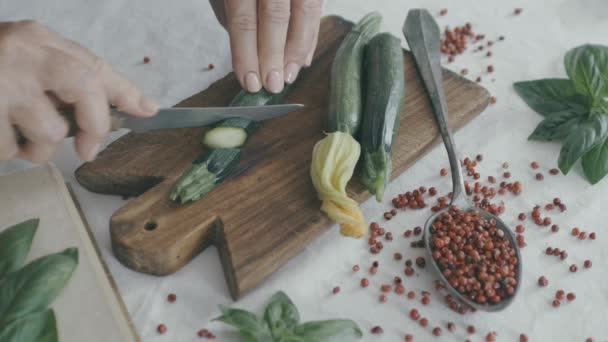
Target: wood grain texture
268	211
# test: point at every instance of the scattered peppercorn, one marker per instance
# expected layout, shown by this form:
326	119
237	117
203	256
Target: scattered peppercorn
377	330
364	282
523	338
409	338
556	303
414	314
534	165
506	174
443	172
425	300
417	230
491	336
573	268
555	228
382	298
539	177
592	236
490	68
518	11
146	60
582	235
587	264
489	53
171	298
575	231
211	66
437	331
563	255
493	100
411	295
443	11
420	262
464	71
560	294
471	329
356	268
571	296
542	281
522	216
161	328
423	322
336	290
478	79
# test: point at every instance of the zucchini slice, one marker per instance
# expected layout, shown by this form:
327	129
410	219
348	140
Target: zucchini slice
230	133
384	93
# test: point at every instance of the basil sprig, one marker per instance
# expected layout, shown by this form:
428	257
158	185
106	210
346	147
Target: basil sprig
27	291
575	110
281	323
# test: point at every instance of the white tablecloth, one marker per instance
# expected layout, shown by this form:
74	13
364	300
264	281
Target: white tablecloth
182	38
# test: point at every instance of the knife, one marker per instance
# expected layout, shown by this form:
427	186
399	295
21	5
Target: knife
183	117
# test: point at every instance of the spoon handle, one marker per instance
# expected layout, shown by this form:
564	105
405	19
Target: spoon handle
422	34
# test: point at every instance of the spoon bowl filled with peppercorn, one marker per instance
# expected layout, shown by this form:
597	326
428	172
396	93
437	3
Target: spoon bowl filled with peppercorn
474	253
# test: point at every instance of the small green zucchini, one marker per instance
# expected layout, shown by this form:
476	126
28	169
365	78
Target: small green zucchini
346	73
384	94
224	142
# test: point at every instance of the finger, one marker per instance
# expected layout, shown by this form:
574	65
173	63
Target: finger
311	54
8	142
273	16
80	87
242	28
305	17
41	126
120	91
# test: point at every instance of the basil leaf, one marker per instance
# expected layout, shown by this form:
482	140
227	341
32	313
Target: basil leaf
587	67
556	126
15	243
581	140
36	327
595	162
551	95
250	327
318	331
281	314
34	287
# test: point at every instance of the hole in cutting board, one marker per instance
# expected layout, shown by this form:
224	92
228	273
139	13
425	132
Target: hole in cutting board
150	225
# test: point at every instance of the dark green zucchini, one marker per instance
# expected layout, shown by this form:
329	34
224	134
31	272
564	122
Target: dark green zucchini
384	91
345	100
213	166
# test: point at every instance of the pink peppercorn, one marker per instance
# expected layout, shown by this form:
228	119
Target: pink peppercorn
587	264
424	322
171	298
335	290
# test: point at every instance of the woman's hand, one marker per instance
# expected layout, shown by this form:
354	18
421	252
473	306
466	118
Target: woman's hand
41	70
271	40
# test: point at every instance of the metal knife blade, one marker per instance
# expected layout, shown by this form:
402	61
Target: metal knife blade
198	117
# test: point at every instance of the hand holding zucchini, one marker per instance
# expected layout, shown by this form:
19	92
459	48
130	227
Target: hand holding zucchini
335	157
384	93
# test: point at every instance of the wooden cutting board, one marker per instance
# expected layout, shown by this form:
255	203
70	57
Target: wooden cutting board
268	211
89	308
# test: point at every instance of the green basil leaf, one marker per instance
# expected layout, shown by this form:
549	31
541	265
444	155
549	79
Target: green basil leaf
35	286
35	327
595	162
587	67
551	95
249	326
556	126
581	140
15	243
318	331
281	314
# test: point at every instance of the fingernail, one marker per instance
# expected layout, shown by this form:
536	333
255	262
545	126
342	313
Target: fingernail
93	152
274	82
309	59
291	72
252	82
149	105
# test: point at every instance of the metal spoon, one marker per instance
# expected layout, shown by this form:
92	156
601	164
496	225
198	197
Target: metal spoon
422	34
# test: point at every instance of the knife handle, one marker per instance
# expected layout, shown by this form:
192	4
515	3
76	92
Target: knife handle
116	118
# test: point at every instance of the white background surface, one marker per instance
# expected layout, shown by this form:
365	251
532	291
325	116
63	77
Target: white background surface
182	38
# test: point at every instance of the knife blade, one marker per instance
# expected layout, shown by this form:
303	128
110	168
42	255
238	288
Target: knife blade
197	117
183	117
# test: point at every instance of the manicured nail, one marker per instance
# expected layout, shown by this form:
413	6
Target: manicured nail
291	72
148	105
93	152
274	82
252	82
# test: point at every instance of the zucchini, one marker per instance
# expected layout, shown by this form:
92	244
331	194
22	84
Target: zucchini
384	93
334	157
230	133
345	105
205	173
213	166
